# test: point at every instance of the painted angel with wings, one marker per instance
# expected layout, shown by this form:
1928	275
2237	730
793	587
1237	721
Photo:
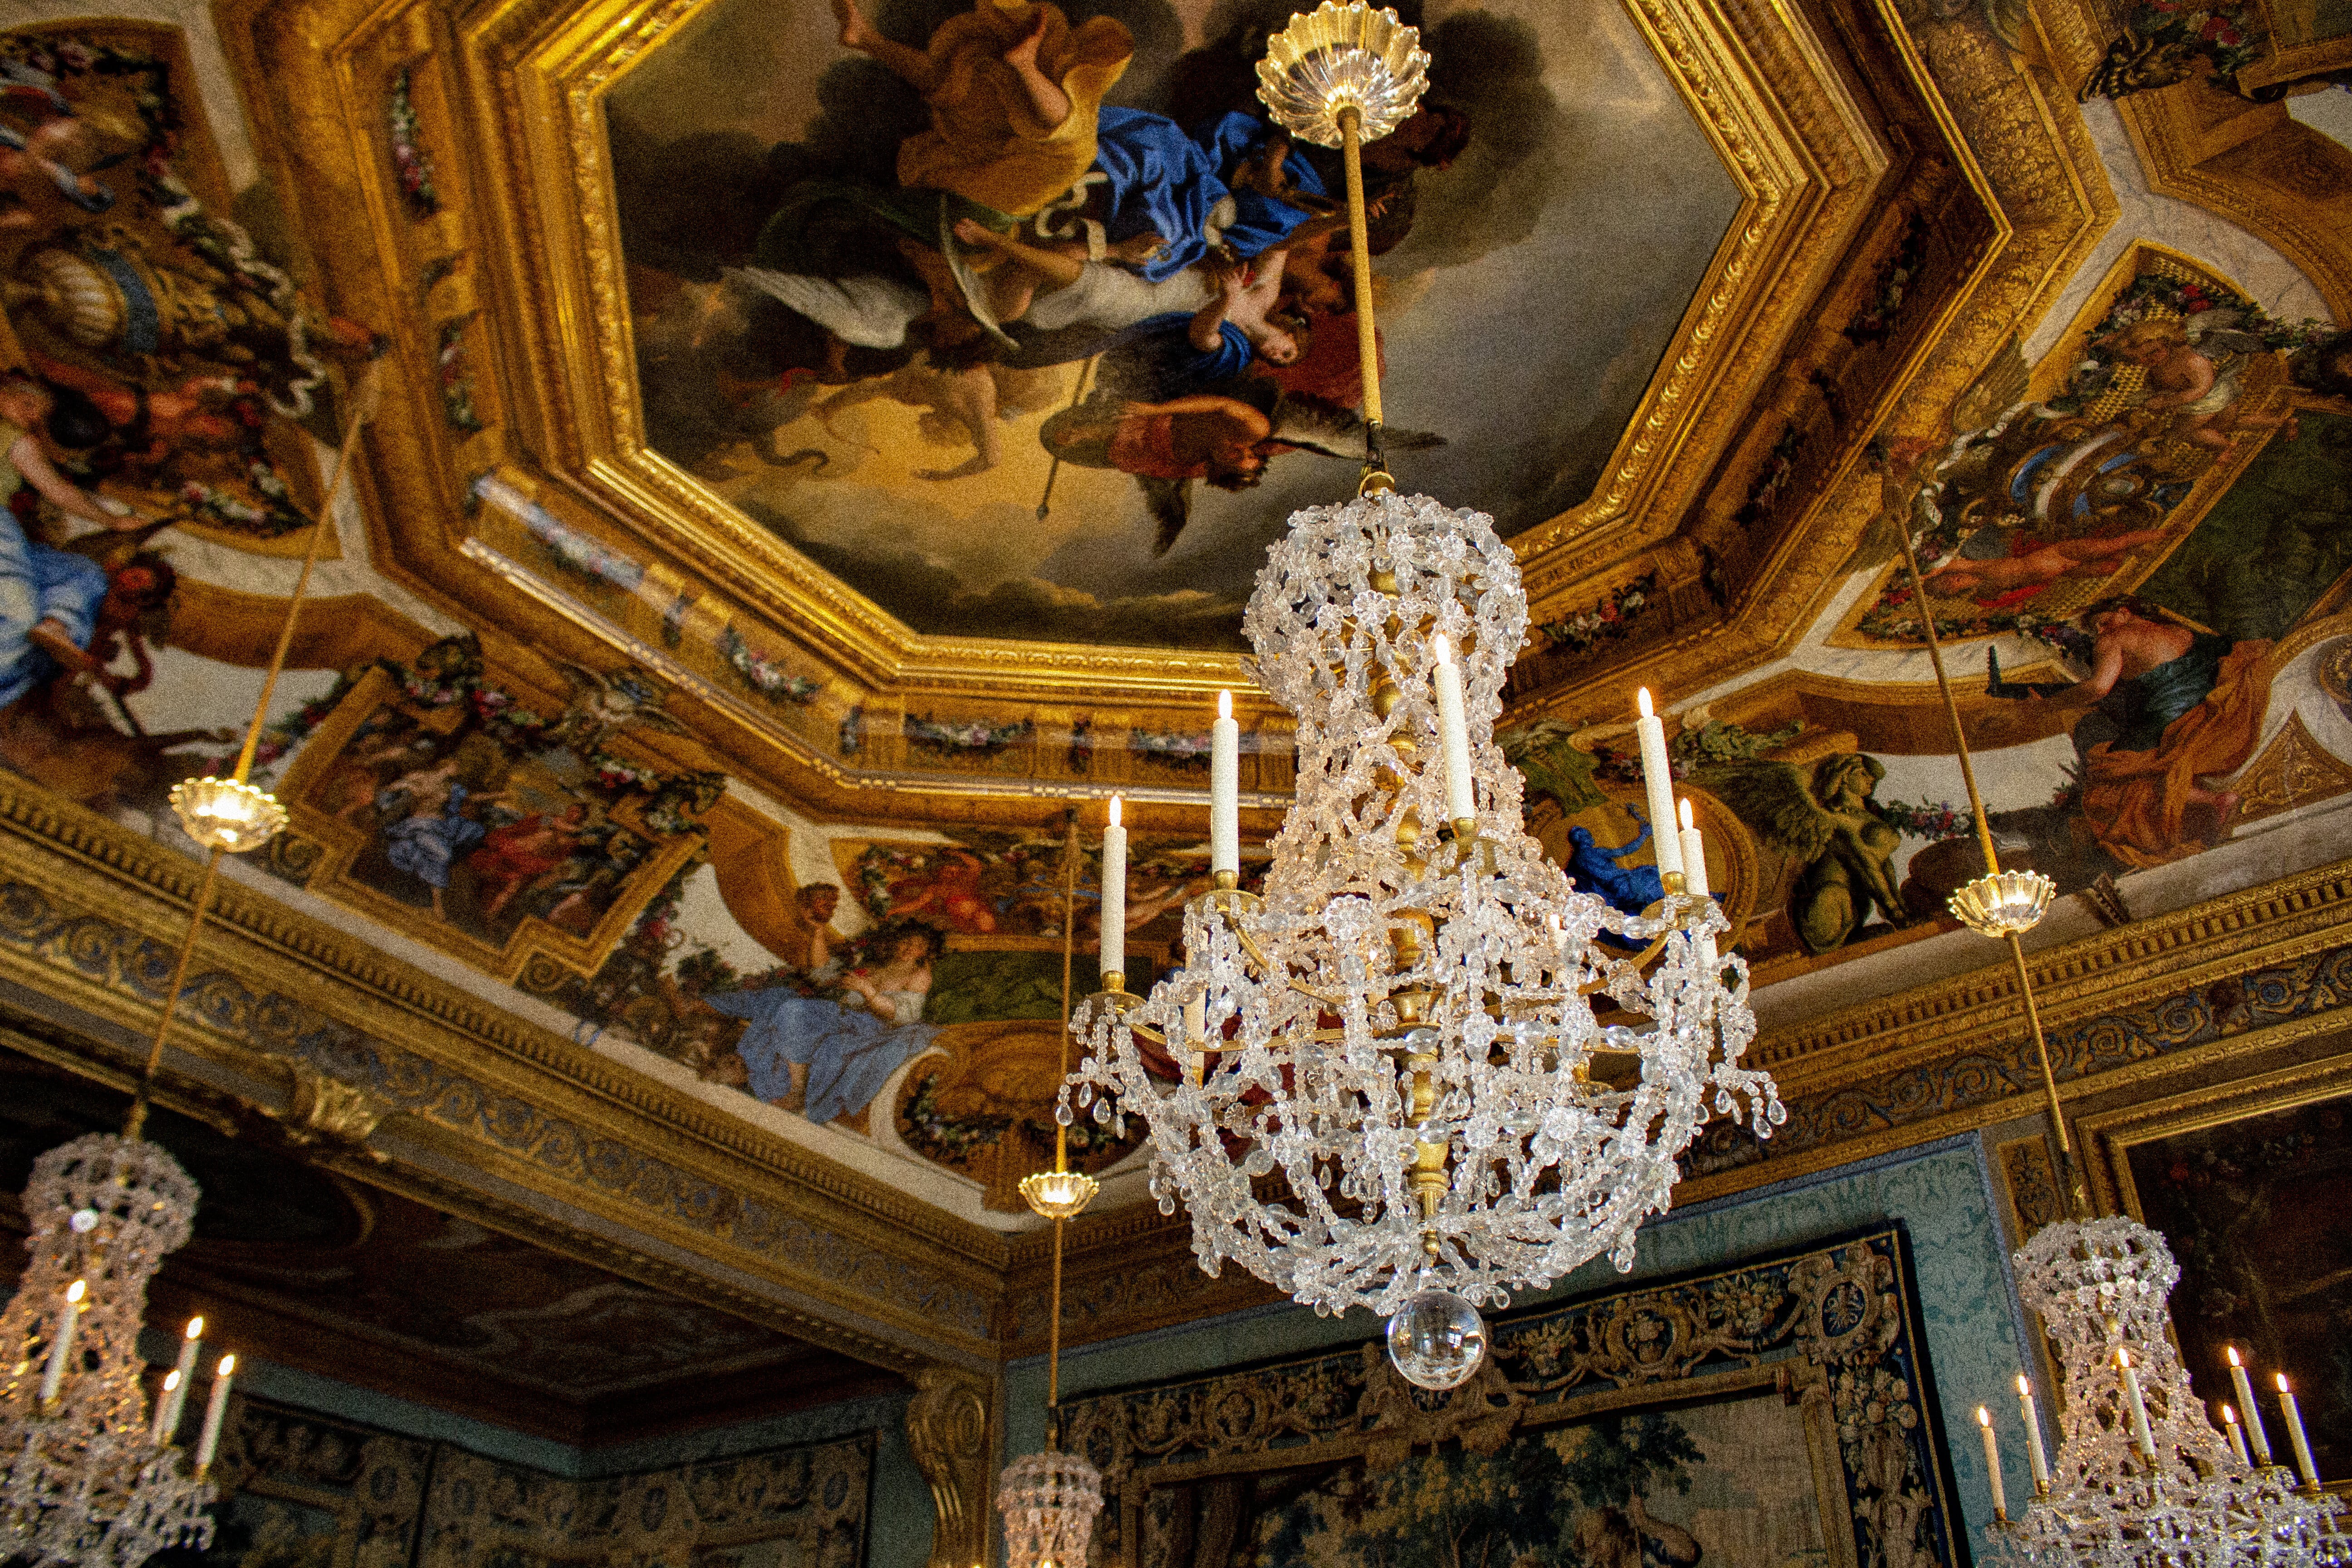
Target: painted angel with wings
2193	365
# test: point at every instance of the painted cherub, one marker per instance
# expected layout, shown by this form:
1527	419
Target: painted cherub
2199	388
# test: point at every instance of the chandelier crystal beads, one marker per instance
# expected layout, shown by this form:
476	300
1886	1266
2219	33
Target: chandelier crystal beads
1467	1075
2142	1479
89	1478
1049	1501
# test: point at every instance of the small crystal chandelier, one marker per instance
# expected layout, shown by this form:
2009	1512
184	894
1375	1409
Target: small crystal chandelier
87	1475
1050	1499
1395	1089
89	1480
2143	1479
2140	1482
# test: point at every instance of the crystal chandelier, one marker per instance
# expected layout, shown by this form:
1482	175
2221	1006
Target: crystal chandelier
2143	1476
1419	1069
88	1480
2140	1481
1050	1499
90	1477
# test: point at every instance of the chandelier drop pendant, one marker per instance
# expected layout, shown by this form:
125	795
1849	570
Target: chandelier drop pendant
1419	1069
2142	1477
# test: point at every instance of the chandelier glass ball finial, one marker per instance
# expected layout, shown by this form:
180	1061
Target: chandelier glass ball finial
1436	1340
226	813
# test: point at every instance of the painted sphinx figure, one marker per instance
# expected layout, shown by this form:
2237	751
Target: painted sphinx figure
1821	815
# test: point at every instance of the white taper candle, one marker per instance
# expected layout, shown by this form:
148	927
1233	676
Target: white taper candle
2246	1406
2296	1434
2137	1407
1992	1465
191	1346
1225	789
53	1375
1694	853
2036	1458
2237	1436
1693	850
1114	894
1453	733
1658	781
165	1406
215	1411
1195	1037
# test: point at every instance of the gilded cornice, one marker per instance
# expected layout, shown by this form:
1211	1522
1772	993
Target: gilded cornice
87	908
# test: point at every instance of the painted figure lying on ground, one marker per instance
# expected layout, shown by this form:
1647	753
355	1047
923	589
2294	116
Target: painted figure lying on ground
827	1056
1601	871
2173	706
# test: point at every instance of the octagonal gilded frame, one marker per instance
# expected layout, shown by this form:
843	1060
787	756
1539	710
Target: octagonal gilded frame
521	277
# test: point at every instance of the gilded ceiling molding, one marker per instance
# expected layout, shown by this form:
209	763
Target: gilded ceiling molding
88	912
518	260
2251	162
232	1110
2021	147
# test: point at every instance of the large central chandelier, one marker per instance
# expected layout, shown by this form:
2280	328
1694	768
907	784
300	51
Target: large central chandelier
1419	1069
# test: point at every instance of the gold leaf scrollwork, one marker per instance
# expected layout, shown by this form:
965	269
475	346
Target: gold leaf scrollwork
323	1111
947	1426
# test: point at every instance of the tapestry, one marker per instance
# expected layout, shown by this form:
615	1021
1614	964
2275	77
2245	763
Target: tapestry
2253	1211
1770	1415
305	1490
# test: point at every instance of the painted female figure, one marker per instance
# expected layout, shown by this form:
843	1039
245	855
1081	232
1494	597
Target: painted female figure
828	1058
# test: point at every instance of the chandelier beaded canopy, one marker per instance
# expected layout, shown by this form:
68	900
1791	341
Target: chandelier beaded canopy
1419	1069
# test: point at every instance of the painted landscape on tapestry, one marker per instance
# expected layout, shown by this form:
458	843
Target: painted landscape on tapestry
2250	1208
1729	1482
1028	322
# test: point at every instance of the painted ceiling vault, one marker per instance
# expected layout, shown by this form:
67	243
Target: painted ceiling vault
800	496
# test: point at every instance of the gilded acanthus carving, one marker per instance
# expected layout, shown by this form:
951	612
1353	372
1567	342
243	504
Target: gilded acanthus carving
947	1426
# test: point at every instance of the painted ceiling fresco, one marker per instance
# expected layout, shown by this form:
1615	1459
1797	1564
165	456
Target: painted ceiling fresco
891	340
2129	507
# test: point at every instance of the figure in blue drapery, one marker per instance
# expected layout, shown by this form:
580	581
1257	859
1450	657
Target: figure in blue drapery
827	1057
1600	871
1163	182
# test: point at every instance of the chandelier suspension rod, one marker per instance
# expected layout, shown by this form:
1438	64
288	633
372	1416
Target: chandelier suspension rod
1061	1132
363	405
1367	342
2077	1197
